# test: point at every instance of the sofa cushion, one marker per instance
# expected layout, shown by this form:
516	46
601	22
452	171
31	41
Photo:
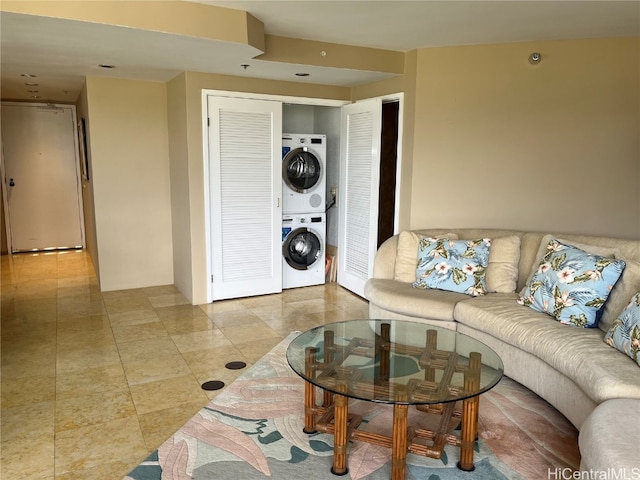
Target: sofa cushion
402	298
625	287
453	265
407	254
624	333
609	441
502	271
571	284
610	374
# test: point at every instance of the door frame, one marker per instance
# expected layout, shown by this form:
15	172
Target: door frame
76	148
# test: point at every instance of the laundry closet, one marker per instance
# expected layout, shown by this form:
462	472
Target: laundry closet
276	198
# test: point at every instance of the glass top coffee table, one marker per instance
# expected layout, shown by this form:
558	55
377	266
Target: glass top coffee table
401	363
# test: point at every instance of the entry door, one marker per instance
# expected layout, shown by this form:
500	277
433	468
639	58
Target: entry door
245	161
42	177
359	183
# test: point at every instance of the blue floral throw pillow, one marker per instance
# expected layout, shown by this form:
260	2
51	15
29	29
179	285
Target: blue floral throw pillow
453	265
624	333
571	284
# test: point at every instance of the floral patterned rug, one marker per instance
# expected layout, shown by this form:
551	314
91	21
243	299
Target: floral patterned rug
253	430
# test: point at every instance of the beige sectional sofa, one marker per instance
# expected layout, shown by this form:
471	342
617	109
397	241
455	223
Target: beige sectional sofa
570	367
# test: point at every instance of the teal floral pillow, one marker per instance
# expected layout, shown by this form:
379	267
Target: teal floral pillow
624	333
453	265
571	284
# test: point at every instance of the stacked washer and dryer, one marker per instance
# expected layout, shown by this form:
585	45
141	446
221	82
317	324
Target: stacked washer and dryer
304	227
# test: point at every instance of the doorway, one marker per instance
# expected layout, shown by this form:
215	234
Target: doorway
388	169
42	184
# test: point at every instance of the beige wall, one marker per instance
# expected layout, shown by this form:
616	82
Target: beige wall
499	142
407	85
179	171
130	167
88	205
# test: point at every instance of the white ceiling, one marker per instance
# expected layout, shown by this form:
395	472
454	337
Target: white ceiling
62	52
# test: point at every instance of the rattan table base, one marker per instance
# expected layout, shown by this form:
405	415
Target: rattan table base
333	415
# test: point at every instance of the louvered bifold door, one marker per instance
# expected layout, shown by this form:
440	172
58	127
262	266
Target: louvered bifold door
245	148
358	194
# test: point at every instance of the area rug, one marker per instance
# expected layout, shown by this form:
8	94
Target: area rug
253	430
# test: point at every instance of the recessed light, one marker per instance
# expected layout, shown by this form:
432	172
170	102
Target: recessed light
28	75
302	74
36	96
245	65
33	91
31	84
105	65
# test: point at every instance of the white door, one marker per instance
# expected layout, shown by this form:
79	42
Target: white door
42	177
358	203
245	159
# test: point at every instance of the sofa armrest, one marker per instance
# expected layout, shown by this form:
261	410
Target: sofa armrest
385	259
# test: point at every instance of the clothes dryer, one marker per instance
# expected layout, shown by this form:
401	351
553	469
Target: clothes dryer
303	173
303	249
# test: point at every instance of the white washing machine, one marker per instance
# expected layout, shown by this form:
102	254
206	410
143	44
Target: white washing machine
303	172
303	249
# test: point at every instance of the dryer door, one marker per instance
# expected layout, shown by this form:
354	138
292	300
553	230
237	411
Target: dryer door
301	249
301	170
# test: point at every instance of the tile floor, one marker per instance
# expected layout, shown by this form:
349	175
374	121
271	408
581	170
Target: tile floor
92	382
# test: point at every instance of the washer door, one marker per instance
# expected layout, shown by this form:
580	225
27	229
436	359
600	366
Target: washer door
301	249
301	170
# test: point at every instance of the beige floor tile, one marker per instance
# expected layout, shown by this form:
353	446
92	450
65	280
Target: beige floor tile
82	411
90	381
27	390
223	306
168	393
83	324
204	362
139	331
133	317
125	304
28	458
18	365
155	369
115	469
27	421
168	300
86	358
159	290
69	341
178	326
160	425
89	447
235	318
314	305
179	312
137	350
200	340
256	349
255	330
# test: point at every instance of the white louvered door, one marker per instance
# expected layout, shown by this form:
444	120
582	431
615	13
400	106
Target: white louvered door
245	148
359	183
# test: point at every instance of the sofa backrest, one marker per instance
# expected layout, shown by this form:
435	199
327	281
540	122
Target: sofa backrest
529	245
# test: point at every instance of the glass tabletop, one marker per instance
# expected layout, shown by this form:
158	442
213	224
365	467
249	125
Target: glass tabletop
394	361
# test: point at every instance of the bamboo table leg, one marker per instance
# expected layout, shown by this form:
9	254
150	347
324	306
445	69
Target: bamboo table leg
399	437
340	420
470	414
309	392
